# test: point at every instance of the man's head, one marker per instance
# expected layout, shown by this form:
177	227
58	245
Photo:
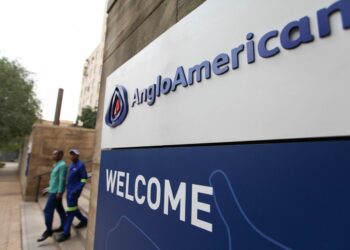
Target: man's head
74	154
57	155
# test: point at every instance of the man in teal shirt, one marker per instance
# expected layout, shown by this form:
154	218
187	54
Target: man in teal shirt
54	201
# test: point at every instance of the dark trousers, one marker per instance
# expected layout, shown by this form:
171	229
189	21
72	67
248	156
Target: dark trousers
52	204
72	211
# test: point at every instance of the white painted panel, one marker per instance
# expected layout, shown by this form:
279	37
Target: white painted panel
300	93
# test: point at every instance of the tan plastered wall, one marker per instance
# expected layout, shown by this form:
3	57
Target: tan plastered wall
45	139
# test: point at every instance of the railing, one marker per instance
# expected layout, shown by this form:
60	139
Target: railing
39	176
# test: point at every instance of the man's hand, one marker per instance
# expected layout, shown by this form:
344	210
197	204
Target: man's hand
59	196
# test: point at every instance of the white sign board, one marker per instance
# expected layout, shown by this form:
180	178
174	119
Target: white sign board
301	92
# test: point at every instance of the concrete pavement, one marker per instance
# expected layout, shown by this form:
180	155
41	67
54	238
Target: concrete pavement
23	222
33	226
10	199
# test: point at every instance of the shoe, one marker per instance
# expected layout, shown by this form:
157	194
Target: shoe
81	224
44	236
62	237
58	230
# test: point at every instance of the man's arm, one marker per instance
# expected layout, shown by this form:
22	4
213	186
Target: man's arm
62	179
83	178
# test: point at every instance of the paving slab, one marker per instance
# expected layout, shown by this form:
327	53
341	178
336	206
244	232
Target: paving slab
33	226
78	236
10	198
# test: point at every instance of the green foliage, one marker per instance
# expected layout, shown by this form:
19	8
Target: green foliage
2	164
19	107
88	117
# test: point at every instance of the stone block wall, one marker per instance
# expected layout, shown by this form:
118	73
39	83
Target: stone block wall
131	26
44	140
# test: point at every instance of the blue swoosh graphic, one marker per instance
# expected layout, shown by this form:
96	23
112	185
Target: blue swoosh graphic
124	217
219	171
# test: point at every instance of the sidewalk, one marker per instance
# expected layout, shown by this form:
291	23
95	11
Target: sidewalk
32	228
10	199
23	222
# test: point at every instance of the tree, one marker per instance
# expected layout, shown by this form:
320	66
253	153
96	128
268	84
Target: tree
88	117
19	106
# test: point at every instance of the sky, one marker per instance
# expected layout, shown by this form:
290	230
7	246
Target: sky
52	39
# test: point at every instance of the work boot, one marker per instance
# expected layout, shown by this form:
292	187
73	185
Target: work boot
63	237
44	236
81	224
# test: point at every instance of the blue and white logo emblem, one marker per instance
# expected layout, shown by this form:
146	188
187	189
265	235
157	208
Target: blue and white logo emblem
118	107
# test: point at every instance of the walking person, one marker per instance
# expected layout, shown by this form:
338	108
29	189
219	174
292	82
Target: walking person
54	201
77	177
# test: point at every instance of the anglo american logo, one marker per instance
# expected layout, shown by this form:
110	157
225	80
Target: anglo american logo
118	107
223	63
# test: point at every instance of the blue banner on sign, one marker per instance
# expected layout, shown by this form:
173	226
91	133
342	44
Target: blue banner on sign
282	195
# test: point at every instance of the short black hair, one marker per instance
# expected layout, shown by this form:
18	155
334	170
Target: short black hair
59	152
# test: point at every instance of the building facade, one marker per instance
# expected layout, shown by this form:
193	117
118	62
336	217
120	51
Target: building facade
91	81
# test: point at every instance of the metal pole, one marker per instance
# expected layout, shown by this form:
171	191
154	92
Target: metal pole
58	107
37	189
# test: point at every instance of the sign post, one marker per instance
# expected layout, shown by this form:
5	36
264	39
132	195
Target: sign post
231	131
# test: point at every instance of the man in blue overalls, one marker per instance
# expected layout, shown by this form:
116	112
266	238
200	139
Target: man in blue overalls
77	178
